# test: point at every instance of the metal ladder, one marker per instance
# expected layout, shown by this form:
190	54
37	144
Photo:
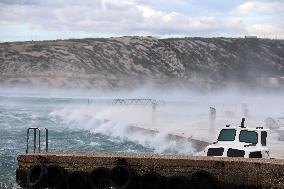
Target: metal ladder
36	131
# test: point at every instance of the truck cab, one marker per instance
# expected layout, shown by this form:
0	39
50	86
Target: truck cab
240	142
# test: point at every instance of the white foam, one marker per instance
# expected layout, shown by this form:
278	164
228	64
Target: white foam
94	144
111	121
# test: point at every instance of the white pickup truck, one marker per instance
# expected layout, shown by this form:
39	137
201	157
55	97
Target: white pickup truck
240	142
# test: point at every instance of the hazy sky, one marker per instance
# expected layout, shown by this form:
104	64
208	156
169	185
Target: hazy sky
61	19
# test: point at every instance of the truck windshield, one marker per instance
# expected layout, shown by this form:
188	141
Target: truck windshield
248	137
227	135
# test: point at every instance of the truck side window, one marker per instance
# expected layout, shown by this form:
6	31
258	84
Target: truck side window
263	138
248	136
227	135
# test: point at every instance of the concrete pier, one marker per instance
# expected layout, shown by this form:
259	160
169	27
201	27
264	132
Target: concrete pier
227	172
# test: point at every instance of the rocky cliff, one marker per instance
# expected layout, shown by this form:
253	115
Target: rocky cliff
129	62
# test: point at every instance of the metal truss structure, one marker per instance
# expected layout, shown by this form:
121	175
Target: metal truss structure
138	101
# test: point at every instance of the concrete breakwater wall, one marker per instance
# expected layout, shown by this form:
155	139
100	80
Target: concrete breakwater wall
216	172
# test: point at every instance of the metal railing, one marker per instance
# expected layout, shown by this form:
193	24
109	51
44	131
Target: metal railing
138	101
36	139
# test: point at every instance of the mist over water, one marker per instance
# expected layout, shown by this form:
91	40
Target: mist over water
95	125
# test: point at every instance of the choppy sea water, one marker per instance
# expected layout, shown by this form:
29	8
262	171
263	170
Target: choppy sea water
19	113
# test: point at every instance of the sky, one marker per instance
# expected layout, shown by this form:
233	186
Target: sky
25	20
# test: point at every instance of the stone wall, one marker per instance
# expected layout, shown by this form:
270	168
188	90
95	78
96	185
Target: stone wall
229	172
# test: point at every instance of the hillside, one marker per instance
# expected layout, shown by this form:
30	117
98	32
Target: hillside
129	62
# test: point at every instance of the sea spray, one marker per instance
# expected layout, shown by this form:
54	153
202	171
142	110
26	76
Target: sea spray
117	122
